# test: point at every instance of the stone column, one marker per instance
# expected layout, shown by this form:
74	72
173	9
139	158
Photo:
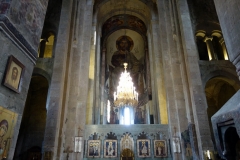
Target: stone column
175	76
42	48
148	74
230	24
103	64
211	54
78	84
196	100
57	90
154	68
92	109
224	49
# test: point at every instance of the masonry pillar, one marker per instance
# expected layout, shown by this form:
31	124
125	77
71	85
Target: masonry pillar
211	53
230	24
42	48
19	37
57	89
104	117
198	125
224	49
78	84
156	81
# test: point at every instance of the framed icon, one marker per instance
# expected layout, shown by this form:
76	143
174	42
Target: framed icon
94	148
110	148
8	120
14	73
143	148
160	148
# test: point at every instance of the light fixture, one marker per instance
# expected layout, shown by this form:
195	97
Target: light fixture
125	94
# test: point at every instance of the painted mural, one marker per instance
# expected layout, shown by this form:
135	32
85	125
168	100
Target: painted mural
28	17
121	21
126	46
7	123
4	6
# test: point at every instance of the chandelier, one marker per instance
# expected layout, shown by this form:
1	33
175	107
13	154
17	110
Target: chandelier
125	94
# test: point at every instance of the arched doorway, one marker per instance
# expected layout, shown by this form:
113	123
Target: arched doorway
127	154
231	144
31	133
218	91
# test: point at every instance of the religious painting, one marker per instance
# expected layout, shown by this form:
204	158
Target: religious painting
47	155
143	148
78	144
8	121
123	54
110	148
120	21
160	148
94	148
127	142
14	72
30	17
176	144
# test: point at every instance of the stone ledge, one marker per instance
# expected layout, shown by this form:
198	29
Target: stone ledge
12	33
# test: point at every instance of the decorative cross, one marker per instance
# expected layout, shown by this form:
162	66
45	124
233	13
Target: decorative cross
68	151
175	130
79	129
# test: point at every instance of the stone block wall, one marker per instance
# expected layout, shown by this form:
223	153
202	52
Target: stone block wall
10	99
228	14
20	30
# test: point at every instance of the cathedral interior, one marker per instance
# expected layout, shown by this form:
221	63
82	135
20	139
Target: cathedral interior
119	79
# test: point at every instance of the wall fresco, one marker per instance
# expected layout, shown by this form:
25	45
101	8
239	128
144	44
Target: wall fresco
7	123
124	21
4	6
28	17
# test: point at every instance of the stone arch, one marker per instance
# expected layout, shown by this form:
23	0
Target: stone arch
47	43
127	142
106	9
212	72
125	14
31	133
127	154
219	89
201	45
41	72
231	138
210	42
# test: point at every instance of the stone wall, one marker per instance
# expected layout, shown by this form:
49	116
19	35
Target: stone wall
28	17
228	13
9	99
20	30
33	122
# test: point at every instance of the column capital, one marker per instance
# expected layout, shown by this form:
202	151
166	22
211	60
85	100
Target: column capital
221	41
206	38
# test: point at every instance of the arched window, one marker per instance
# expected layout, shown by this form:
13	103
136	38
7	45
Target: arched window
202	48
46	47
127	115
